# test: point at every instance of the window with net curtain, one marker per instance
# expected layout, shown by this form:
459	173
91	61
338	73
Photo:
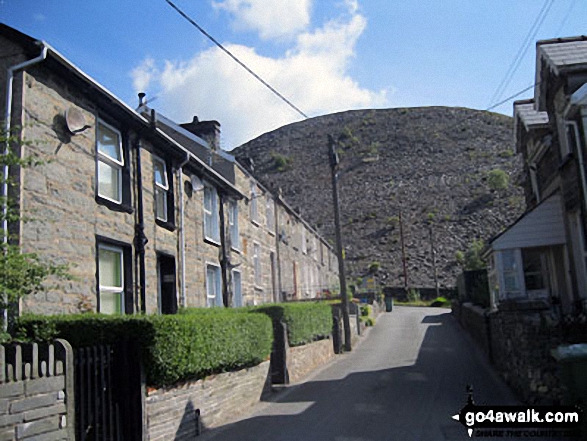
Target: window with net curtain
161	188
211	227
111	279
213	286
110	162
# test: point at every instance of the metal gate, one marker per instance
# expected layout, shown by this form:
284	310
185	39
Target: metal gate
108	393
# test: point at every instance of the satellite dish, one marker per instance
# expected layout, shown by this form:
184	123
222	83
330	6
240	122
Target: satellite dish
197	184
75	120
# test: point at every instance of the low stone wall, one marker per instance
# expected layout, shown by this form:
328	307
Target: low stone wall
180	412
518	343
301	360
36	392
474	320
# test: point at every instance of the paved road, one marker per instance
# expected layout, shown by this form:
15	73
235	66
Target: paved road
402	382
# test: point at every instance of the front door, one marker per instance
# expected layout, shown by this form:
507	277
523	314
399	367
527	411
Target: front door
167	292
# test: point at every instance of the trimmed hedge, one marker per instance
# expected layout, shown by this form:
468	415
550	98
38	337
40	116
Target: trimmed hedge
306	322
173	347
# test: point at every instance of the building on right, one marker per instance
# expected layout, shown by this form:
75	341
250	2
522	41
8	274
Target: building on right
541	260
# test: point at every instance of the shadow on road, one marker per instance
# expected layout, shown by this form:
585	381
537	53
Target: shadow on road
410	400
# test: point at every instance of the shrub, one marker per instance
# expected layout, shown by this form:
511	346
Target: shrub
498	179
306	322
366	310
374	267
173	347
281	162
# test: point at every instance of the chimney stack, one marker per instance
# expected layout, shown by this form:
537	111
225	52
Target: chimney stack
209	131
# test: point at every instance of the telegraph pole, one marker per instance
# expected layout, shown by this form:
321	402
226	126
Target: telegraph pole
339	249
401	234
433	252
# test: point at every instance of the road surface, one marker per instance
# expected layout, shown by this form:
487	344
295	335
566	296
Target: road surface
404	381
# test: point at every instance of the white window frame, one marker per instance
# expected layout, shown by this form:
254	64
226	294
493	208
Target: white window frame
270	214
112	289
237	300
163	188
257	267
254	204
233	225
211	215
109	161
518	272
215	299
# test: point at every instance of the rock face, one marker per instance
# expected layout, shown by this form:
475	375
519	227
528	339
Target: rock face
430	163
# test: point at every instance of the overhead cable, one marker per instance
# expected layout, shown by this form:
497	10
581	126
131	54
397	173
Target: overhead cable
231	55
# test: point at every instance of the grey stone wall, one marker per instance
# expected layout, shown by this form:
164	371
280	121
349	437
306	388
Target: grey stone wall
301	360
36	392
518	343
172	412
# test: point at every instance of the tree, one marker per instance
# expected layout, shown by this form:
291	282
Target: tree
21	273
472	258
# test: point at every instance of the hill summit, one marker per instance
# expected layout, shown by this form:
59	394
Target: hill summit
451	172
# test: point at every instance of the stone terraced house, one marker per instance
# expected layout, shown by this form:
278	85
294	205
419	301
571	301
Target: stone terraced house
541	260
150	215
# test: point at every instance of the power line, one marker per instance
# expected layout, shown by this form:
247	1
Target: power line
231	55
530	36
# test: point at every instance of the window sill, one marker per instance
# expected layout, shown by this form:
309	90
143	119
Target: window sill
210	241
165	224
114	206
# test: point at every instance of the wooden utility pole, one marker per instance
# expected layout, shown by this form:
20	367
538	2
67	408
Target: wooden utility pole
339	248
433	252
401	235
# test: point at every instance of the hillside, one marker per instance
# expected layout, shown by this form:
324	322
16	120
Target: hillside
432	163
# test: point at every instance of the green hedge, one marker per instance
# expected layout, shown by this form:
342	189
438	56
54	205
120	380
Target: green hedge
306	321
173	347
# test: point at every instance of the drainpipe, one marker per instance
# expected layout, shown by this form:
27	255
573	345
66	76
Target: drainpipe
140	239
181	226
226	297
7	121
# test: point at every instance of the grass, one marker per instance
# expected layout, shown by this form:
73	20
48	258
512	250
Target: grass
439	302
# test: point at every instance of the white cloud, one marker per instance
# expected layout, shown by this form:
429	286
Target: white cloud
270	18
143	74
313	74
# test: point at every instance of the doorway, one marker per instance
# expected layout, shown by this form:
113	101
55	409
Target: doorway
167	291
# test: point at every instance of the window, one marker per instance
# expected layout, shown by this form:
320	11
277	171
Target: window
237	289
110	162
161	189
572	139
111	279
511	273
233	225
270	214
257	264
211	221
213	286
254	207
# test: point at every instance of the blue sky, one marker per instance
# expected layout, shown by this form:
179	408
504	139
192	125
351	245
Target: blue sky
324	56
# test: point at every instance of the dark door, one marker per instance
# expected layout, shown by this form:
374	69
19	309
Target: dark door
167	292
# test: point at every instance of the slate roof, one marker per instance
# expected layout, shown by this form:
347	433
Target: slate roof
529	116
564	53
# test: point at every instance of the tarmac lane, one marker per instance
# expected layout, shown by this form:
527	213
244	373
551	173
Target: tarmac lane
404	381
